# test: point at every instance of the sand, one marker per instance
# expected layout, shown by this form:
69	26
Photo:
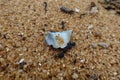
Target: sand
24	54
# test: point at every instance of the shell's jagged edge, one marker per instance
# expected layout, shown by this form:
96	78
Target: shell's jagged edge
58	39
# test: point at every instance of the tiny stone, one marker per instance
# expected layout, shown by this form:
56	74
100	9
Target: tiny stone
1	26
109	7
115	78
107	0
22	63
22	60
7	49
82	60
61	74
74	61
112	35
92	67
20	54
103	45
63	24
1	47
90	26
118	12
63	65
66	10
94	46
75	76
48	73
94	77
24	38
40	64
98	34
94	10
94	52
77	10
1	59
6	36
21	66
115	73
93	4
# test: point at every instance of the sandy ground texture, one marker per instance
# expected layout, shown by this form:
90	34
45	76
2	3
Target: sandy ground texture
24	54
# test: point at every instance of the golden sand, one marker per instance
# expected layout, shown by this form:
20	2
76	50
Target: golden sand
23	27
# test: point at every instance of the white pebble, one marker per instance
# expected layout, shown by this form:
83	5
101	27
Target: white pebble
115	73
77	10
93	45
94	10
103	45
40	64
21	60
75	76
90	26
82	61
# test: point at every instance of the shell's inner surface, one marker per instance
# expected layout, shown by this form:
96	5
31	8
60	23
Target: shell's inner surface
58	39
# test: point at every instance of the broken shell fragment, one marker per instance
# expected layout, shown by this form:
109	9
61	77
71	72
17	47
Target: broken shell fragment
58	39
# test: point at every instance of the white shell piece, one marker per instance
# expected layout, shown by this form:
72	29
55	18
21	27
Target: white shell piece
58	39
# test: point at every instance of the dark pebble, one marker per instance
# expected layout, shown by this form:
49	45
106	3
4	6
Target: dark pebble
66	10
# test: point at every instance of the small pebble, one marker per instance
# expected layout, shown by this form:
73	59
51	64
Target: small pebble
118	12
1	47
115	73
98	34
103	45
109	7
93	4
94	77
7	49
90	26
94	52
77	10
75	76
63	65
107	1
93	45
63	24
60	74
94	10
40	64
1	26
23	38
21	60
1	59
45	6
22	63
82	60
66	10
74	61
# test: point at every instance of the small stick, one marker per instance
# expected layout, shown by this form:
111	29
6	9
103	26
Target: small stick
63	24
45	6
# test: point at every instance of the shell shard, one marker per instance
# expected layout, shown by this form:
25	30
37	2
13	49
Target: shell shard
58	39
